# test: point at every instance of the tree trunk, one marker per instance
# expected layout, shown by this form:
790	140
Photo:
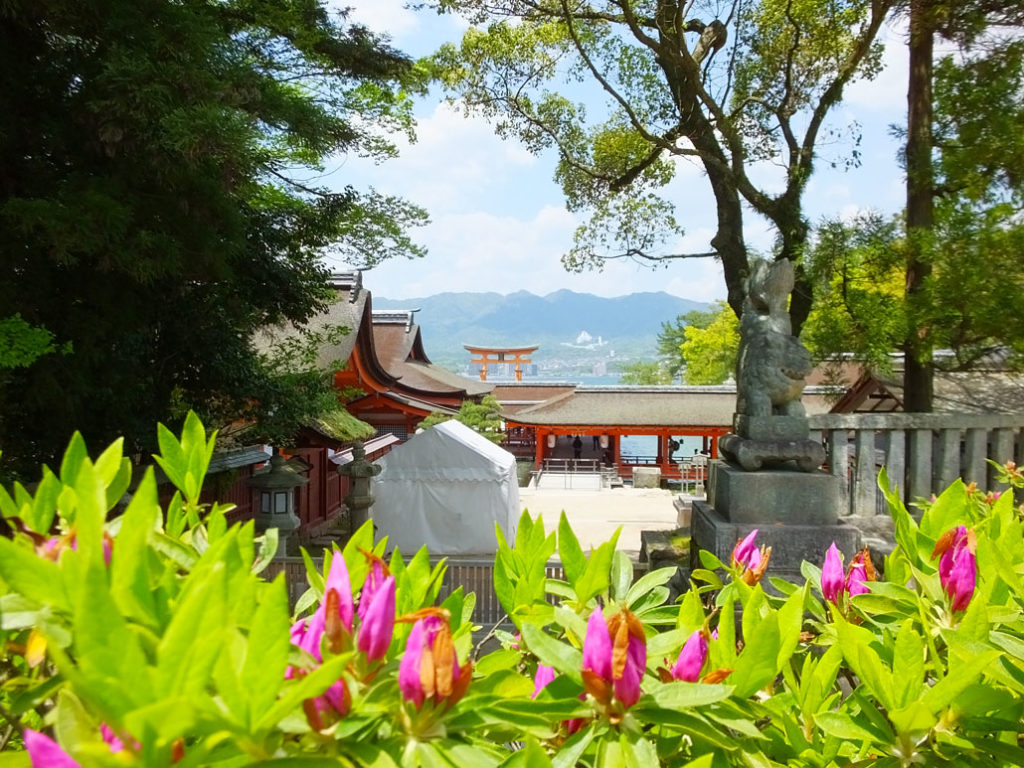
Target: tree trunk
918	371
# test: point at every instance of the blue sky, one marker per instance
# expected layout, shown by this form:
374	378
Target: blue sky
498	221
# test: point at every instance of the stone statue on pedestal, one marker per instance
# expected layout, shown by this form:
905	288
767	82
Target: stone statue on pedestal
770	426
770	480
360	498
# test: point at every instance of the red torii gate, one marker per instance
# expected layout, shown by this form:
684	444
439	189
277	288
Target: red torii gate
484	356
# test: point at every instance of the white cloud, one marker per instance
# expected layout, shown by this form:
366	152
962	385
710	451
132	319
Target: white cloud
481	251
888	91
454	163
389	17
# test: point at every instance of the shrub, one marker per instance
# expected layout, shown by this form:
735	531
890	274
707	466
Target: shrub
151	639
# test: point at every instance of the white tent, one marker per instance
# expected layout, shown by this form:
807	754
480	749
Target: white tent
446	487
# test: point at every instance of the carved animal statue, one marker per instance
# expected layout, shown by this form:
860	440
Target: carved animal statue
773	368
772	363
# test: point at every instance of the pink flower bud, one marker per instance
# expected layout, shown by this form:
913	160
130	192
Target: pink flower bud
746	553
614	657
691	659
113	740
545	675
832	577
374	581
337	580
44	752
957	565
378	620
597	646
430	668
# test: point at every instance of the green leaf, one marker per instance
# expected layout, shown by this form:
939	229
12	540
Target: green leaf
181	554
313	575
647	582
639	752
75	454
621	576
530	756
710	561
129	575
564	658
90	511
191	644
950	509
37	579
269	542
172	459
908	657
679	695
574	747
913	720
864	661
573	561
266	656
44	503
306	687
572	622
960	676
307	761
757	665
842	726
108	654
663	644
790	618
596	577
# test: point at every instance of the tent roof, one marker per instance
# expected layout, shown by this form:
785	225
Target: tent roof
447	451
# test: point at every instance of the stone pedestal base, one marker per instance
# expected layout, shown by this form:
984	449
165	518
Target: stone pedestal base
752	455
791	543
774	496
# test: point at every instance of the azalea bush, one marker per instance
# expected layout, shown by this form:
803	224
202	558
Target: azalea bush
149	637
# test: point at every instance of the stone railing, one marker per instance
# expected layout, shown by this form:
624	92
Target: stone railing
922	452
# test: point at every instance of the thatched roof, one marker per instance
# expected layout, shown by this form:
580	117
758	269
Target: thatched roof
650	407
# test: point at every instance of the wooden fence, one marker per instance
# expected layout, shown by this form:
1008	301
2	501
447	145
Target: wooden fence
922	452
472	574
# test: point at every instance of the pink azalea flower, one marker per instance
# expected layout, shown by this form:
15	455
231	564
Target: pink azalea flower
374	581
614	657
430	667
338	581
957	565
691	659
746	553
833	582
544	676
45	752
378	620
857	579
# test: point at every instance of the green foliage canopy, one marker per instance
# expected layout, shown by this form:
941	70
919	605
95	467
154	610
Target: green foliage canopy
157	627
155	199
724	85
971	299
642	373
483	417
709	349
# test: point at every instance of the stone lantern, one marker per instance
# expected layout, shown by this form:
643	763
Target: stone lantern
277	499
360	498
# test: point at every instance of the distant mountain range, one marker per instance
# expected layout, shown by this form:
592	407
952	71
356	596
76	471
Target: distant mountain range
571	328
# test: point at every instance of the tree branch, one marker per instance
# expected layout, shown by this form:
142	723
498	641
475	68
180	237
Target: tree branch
613	92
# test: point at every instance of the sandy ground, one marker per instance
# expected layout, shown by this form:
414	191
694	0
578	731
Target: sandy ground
594	515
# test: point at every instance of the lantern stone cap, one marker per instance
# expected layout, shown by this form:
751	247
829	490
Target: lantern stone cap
279	477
